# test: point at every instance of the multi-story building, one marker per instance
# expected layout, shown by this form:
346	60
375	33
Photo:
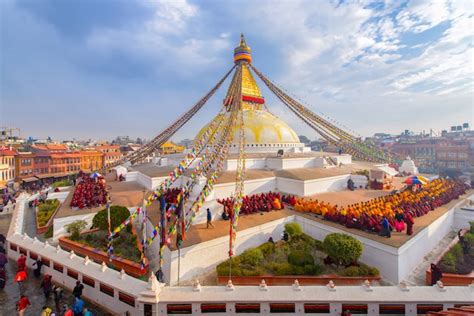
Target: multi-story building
63	164
91	160
111	153
24	165
422	151
7	166
453	154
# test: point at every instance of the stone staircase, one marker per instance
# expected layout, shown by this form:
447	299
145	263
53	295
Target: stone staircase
417	276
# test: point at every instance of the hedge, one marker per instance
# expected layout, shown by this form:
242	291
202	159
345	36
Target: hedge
62	183
118	214
293	229
343	249
300	258
361	270
46	210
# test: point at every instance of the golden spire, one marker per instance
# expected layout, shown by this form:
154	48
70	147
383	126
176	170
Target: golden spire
242	40
242	52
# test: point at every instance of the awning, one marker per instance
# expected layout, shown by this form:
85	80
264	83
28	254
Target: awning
388	170
45	176
30	179
60	175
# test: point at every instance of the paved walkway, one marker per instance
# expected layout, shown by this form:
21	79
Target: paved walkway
10	294
417	276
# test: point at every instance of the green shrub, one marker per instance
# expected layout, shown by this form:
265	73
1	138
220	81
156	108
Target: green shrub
118	214
457	252
252	257
351	271
223	268
361	270
471	229
293	229
46	210
314	269
469	239
342	248
448	263
267	248
300	258
62	183
318	244
281	268
49	232
75	228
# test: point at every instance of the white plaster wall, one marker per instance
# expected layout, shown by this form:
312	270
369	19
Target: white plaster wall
344	159
331	184
413	252
250	163
131	176
275	163
359	180
381	256
61	196
205	256
224	190
294	163
59	224
290	186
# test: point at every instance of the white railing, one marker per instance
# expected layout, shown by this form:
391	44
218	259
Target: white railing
298	300
114	290
120	293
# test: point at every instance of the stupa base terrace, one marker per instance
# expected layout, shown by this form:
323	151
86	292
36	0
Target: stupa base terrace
120	293
295	174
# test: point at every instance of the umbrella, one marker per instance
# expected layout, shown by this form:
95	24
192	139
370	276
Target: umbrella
20	276
416	180
96	175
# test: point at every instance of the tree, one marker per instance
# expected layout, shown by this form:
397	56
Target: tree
118	214
304	139
75	228
342	248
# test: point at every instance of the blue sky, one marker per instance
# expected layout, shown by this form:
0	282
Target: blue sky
102	68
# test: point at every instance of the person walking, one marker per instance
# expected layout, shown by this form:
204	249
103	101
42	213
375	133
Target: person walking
22	304
436	274
78	307
409	221
46	311
77	291
21	263
209	219
3	278
46	285
39	264
385	228
87	312
58	295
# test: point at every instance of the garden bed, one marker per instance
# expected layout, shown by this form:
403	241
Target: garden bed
93	244
457	263
300	257
45	213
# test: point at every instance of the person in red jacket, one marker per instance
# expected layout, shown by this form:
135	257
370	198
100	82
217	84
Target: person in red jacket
22	305
21	262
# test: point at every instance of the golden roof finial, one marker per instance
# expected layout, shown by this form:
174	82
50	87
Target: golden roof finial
242	40
242	52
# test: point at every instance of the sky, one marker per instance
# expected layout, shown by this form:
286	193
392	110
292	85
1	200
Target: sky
102	68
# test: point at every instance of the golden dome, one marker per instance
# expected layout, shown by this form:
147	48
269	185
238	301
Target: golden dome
262	127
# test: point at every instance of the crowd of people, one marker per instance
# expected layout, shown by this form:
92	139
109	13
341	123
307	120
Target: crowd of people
90	191
383	214
256	203
47	287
